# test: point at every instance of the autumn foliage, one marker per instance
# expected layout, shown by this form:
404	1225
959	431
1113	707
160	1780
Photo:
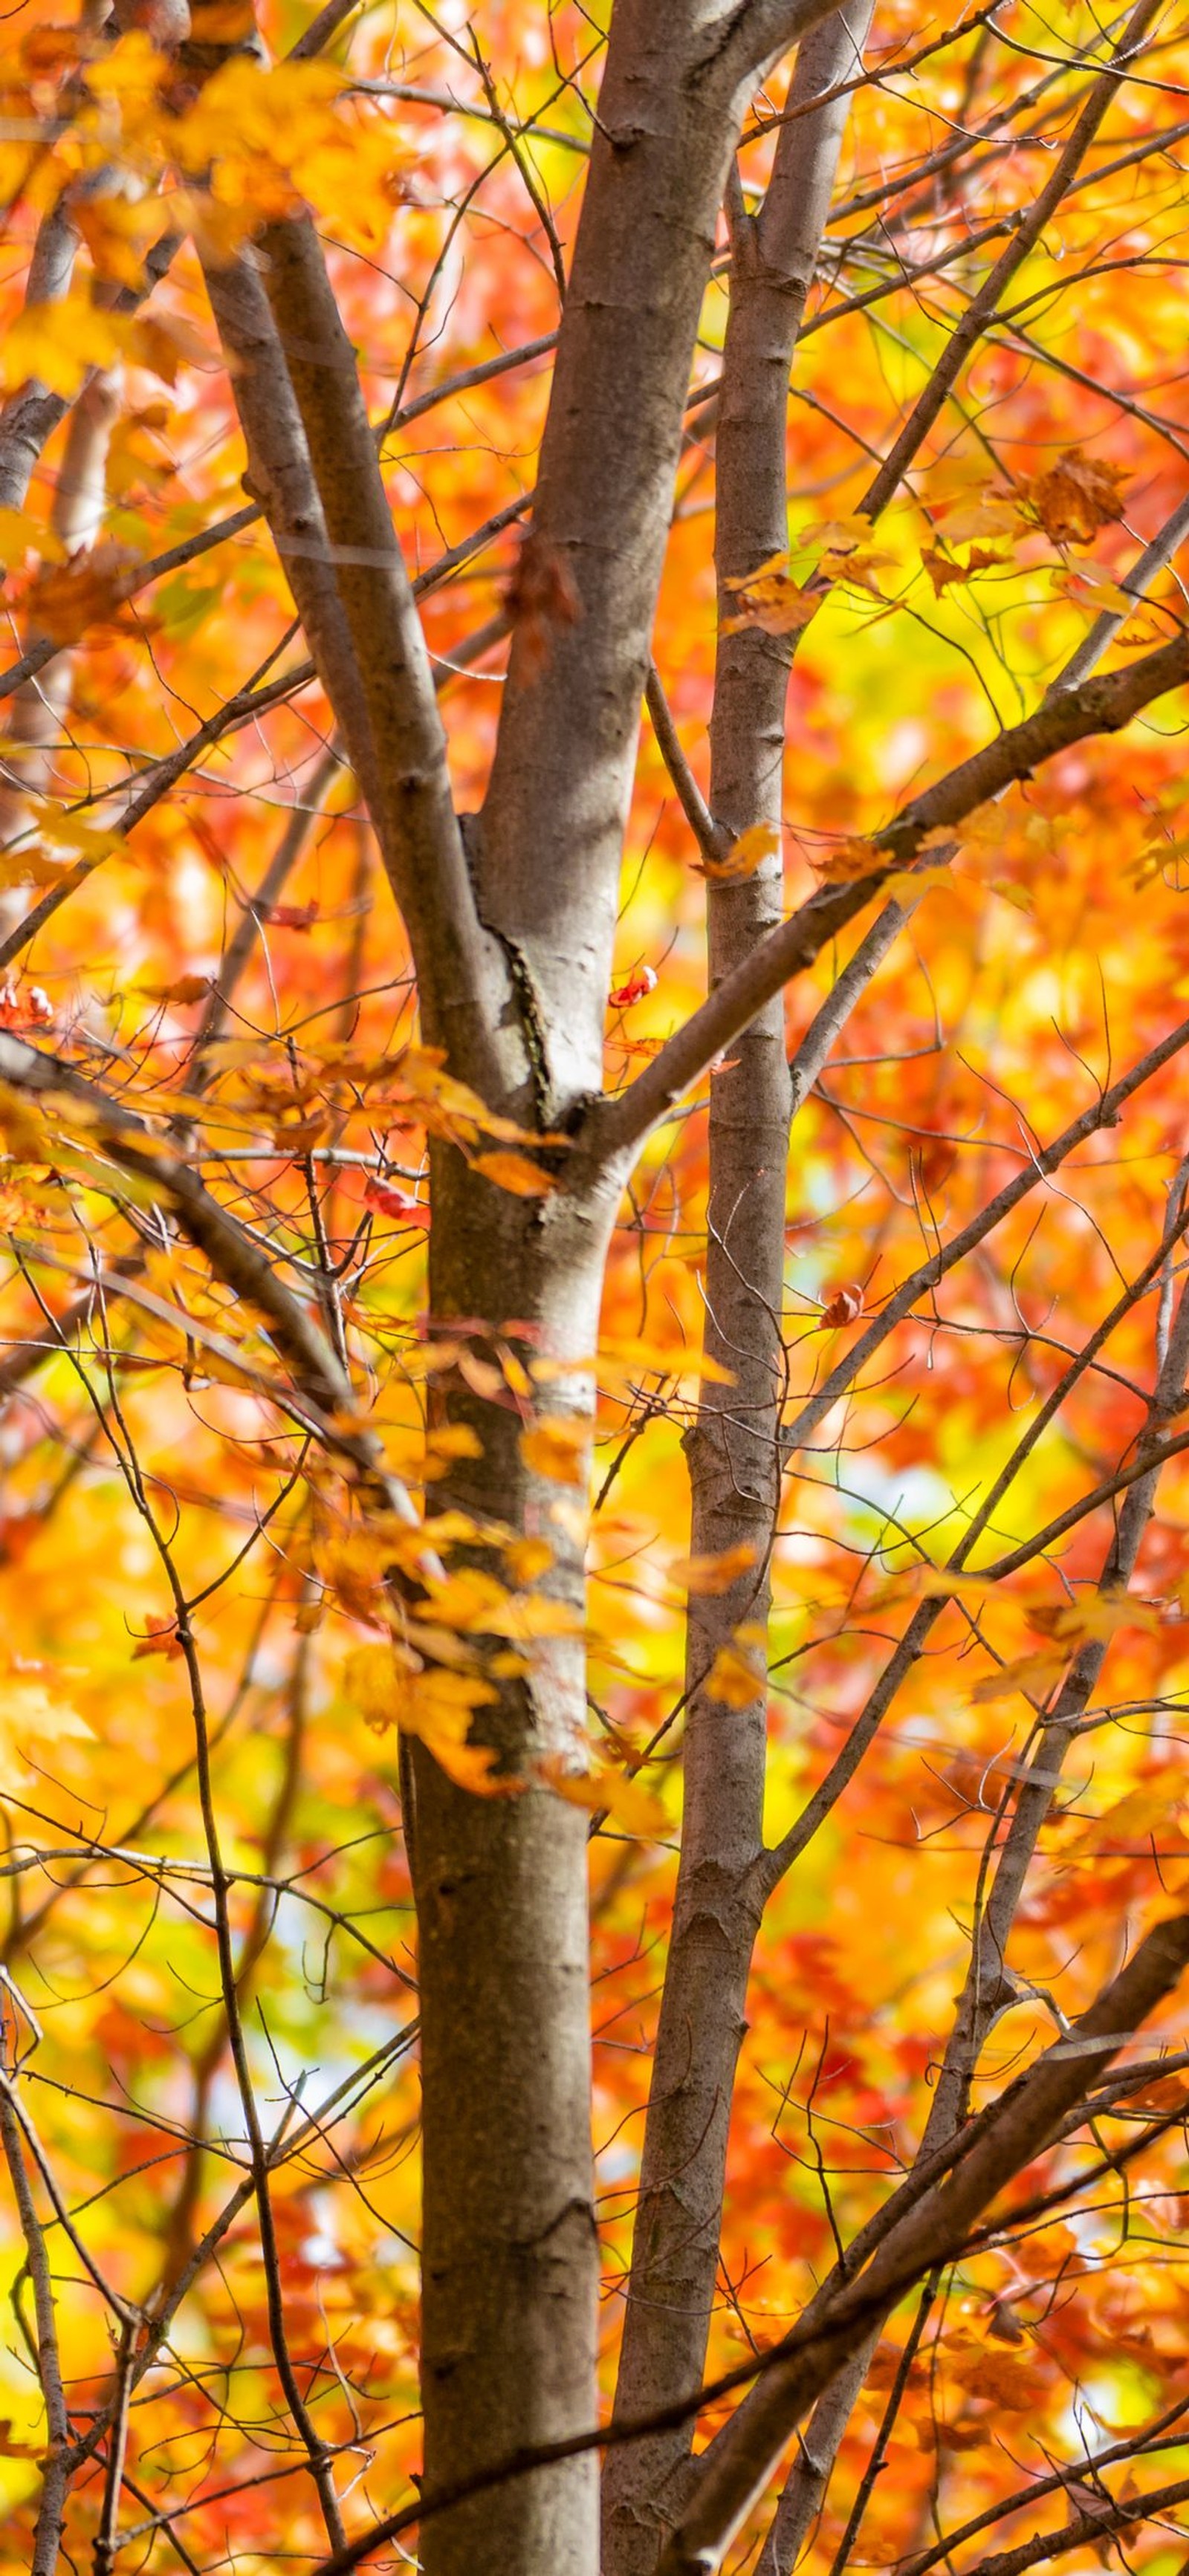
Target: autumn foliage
248	1581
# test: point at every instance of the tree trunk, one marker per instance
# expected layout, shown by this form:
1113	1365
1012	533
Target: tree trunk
510	2254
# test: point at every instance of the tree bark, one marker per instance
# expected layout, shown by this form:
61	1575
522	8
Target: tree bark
557	805
510	2253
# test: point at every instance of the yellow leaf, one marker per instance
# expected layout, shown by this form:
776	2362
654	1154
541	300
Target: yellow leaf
1155	1809
452	1440
910	885
1094	1614
1034	1675
514	1172
164	344
1102	598
392	1688
21	533
833	536
745	856
610	1793
772	601
992	516
12	2449
847	862
59	343
624	1352
739	1672
556	1446
65	831
526	1558
33	1717
483	1379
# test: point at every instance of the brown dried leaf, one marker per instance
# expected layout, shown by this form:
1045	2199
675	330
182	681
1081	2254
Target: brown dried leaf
66	599
1076	498
943	570
770	599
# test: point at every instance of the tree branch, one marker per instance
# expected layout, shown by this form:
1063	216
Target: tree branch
235	1258
617	1127
752	37
1029	232
462	974
57	2466
1026	2119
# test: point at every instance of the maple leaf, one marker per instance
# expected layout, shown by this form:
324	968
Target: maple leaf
942	568
394	1688
162	1639
609	1792
184	990
842	1308
389	1201
290	916
739	1673
57	343
514	1172
714	1574
87	590
771	600
1075	498
848	862
24	1006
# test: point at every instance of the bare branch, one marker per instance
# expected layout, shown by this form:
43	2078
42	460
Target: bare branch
713	841
983	306
233	1255
461	972
618	1127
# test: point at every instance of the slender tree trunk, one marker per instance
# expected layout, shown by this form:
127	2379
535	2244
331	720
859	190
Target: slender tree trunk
733	1450
510	2255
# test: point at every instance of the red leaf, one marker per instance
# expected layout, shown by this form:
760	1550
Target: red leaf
642	980
289	916
390	1202
27	1009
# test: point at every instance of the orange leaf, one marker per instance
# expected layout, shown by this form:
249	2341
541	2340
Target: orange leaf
556	1447
514	1172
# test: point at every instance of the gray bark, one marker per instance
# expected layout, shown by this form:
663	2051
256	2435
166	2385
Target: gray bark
509	2252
